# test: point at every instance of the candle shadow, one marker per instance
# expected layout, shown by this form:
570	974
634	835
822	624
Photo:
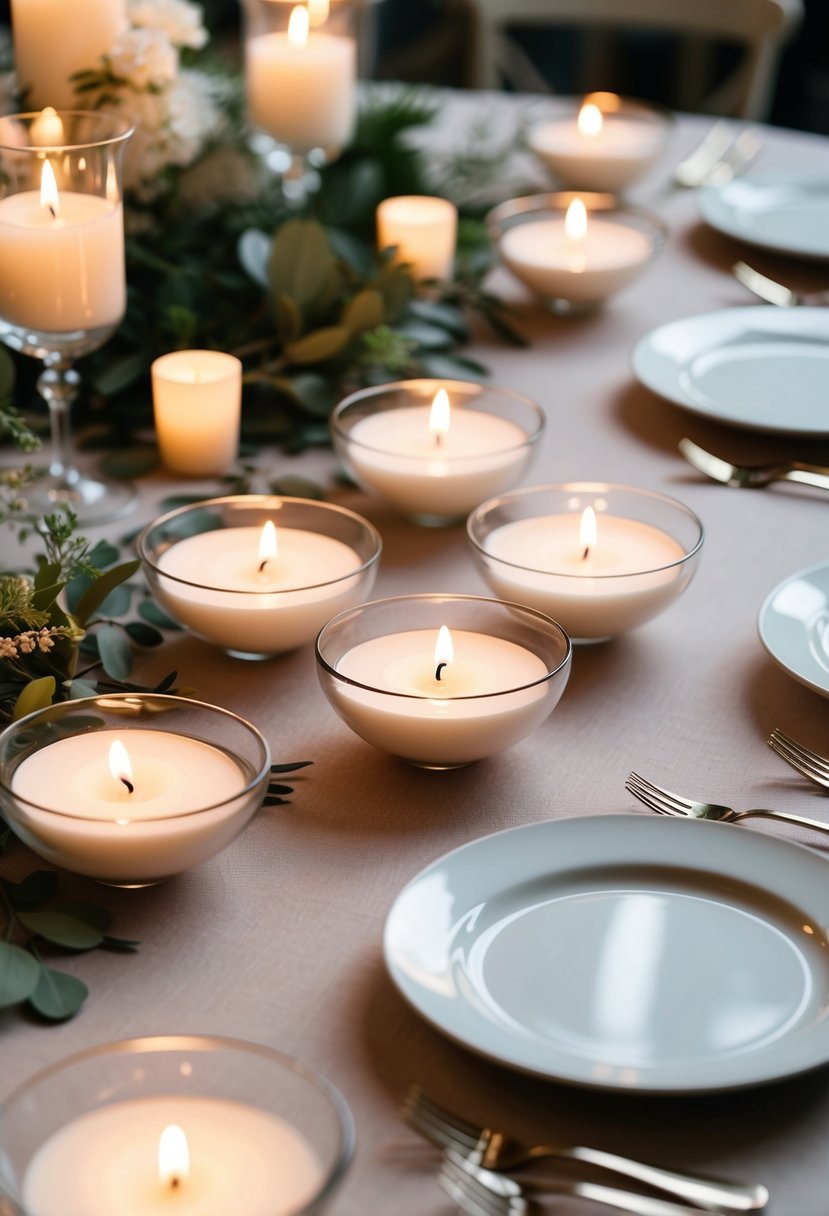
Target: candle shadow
627	658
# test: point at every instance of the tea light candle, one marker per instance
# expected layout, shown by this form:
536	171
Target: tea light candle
257	590
157	1156
52	40
596	577
423	232
459	696
436	461
61	259
302	84
575	258
121	805
598	150
197	402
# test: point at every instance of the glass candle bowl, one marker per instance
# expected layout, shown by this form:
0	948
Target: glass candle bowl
266	1135
574	250
436	448
600	558
207	567
443	680
602	142
193	777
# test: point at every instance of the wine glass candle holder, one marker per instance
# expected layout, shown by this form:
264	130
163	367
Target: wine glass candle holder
62	275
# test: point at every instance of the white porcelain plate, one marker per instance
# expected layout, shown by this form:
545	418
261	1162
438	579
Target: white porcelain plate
786	212
625	952
761	368
794	626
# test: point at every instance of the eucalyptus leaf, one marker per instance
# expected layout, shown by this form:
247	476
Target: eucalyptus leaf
437	312
293	486
144	635
44	597
47	574
254	250
36	888
364	311
62	929
449	367
167	683
301	262
77	689
427	337
117	603
95	595
58	996
121	373
103	554
130	462
115	651
91	914
151	612
36	695
123	945
319	346
288	319
19	974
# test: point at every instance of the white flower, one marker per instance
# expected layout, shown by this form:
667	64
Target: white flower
143	57
180	20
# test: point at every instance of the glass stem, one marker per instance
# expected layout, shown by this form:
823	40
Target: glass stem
58	386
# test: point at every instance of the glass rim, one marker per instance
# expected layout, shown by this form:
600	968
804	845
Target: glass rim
87	702
127	128
142	543
212	1043
476	516
401	386
555	202
539	618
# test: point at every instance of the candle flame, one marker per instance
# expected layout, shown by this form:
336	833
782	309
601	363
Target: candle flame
119	764
575	235
589	121
439	415
48	189
267	544
444	651
588	531
173	1157
47	129
298	26
318	11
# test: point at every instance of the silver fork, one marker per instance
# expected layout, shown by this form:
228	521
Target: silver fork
481	1193
753	477
719	157
810	764
665	803
772	291
496	1151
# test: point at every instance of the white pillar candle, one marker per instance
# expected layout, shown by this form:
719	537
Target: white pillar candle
302	85
74	812
594	150
422	230
55	38
490	694
61	259
399	454
559	259
218	591
105	1162
594	589
197	401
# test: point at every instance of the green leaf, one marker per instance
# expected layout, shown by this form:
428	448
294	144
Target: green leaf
292	486
436	312
115	651
130	462
319	346
288	319
81	688
103	554
6	374
364	311
44	597
167	683
48	573
119	374
91	914
62	929
427	337
450	367
144	635
253	251
57	996
313	392
151	612
19	974
122	944
291	768
95	595
36	695
301	262
36	888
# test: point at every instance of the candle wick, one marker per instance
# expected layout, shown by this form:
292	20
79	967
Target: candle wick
52	211
439	669
175	1182
438	439
128	784
586	553
263	564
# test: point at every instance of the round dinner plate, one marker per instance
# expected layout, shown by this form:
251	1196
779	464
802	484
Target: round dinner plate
623	952
794	626
785	212
759	367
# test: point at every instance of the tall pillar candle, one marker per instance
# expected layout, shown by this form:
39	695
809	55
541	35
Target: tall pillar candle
54	39
197	401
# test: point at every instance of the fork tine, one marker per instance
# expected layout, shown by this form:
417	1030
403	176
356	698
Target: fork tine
802	758
472	1188
647	799
437	1124
820	763
672	802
